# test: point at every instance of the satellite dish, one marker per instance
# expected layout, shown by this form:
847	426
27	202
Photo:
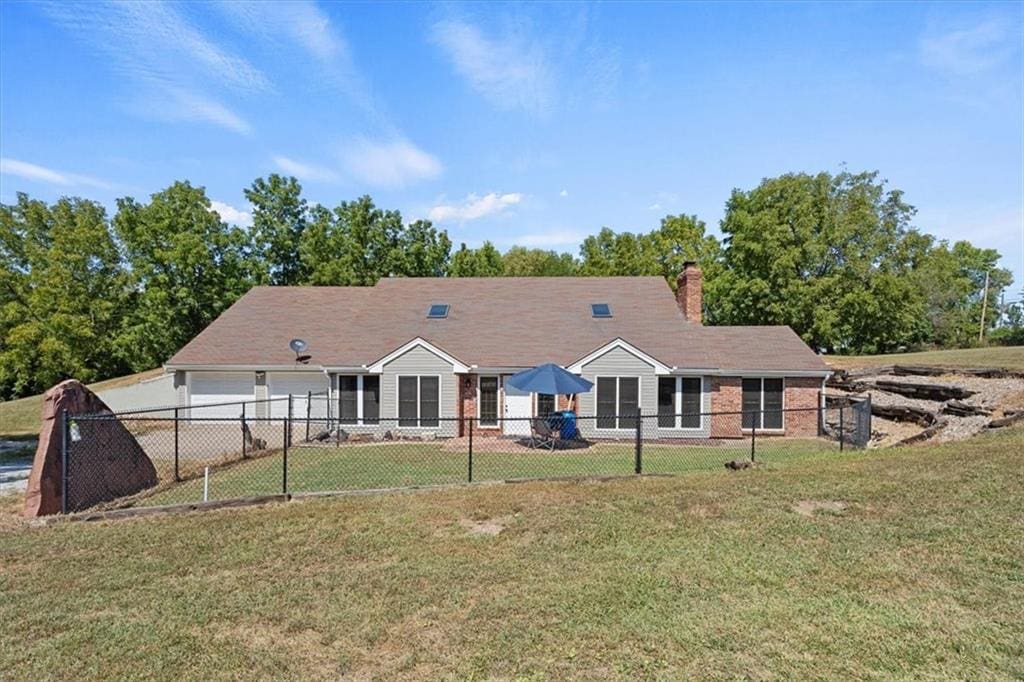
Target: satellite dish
298	345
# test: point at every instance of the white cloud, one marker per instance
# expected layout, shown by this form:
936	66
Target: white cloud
305	171
511	71
394	163
564	193
474	207
174	66
230	214
654	207
967	51
30	171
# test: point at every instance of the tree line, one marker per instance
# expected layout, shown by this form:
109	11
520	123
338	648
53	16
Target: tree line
836	257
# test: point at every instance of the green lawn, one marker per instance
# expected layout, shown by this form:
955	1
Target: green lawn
390	465
22	417
913	569
1007	357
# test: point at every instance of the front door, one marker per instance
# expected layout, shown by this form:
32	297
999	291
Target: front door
518	409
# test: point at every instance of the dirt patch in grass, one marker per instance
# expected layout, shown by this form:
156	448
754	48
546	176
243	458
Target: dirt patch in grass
811	508
489	527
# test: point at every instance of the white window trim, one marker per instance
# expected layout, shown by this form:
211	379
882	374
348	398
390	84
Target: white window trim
419	401
762	429
678	403
497	416
359	402
536	403
618	417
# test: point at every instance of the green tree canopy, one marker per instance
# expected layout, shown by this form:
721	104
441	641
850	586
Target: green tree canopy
483	262
824	254
520	261
63	292
279	219
186	267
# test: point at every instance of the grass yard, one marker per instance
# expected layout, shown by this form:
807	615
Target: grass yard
395	464
902	563
22	417
1007	357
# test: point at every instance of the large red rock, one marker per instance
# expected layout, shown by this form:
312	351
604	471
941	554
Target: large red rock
105	460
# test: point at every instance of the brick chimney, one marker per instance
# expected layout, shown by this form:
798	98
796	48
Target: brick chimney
688	292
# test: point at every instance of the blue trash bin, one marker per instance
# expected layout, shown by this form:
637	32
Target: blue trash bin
568	428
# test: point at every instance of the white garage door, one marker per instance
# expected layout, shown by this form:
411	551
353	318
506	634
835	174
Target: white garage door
299	385
210	388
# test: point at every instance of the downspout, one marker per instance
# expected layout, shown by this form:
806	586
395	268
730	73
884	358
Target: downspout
330	399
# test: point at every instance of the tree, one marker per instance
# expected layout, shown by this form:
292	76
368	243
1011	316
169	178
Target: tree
520	261
423	251
483	262
823	254
279	219
187	266
62	295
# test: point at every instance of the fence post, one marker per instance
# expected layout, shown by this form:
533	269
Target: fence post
288	424
243	430
638	466
470	450
284	455
842	428
65	435
753	441
309	403
177	475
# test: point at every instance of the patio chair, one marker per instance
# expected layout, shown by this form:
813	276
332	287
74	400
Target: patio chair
541	434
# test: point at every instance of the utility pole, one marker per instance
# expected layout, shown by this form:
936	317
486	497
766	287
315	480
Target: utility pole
984	302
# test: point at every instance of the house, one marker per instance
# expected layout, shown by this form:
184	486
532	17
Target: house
419	350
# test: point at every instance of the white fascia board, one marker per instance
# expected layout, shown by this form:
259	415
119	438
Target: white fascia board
754	372
243	368
458	367
659	367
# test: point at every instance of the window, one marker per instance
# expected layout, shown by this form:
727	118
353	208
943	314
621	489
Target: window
762	403
438	311
618	401
666	402
545	404
348	399
358	399
679	402
487	407
419	401
690	399
600	310
371	399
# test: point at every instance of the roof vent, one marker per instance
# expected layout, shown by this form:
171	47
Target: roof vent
600	310
437	311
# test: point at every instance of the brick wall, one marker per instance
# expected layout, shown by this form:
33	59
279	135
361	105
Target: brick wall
800	392
726	396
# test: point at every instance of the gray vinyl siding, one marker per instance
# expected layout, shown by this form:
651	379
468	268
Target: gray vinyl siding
419	361
619	362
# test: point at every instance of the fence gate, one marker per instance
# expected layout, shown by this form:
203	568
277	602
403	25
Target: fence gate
861	433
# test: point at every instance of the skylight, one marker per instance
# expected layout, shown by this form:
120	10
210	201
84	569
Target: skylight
438	311
600	310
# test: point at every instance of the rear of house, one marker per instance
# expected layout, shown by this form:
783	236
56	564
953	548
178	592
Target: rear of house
413	353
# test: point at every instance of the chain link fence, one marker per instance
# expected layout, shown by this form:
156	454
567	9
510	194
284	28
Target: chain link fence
177	455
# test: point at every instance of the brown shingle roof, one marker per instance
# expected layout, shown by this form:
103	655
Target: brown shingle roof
492	322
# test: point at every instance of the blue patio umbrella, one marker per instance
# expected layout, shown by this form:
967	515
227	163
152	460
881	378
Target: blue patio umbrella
550	379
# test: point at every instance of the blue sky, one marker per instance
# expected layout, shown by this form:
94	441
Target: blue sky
531	124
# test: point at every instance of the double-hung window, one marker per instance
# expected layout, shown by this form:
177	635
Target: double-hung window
679	402
545	404
618	402
762	403
358	399
419	400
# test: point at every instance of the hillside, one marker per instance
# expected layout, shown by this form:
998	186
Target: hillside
886	564
21	417
1007	357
